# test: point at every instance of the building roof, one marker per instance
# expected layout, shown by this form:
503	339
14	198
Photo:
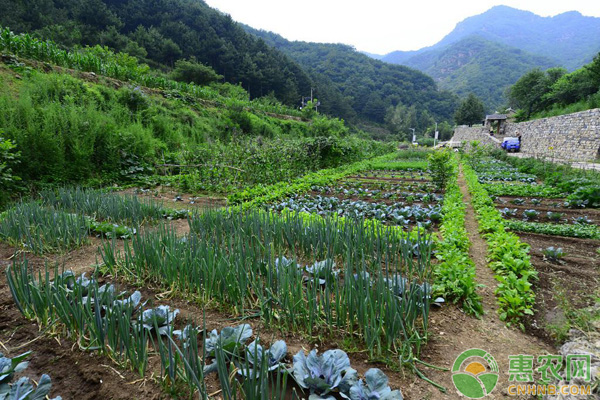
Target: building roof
495	116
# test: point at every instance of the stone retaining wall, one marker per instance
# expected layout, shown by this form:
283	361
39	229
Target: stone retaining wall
574	137
467	134
571	137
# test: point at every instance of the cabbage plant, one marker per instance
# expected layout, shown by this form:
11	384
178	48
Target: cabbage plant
324	271
229	341
229	338
375	387
22	389
324	374
256	358
160	317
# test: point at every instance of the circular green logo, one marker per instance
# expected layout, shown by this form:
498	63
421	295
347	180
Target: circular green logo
475	373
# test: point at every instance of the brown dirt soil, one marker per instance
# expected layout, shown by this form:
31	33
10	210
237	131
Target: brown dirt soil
166	196
572	280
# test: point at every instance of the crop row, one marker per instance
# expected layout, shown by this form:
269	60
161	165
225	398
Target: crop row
455	272
258	195
584	231
507	189
119	326
230	258
397	213
393	192
63	220
509	257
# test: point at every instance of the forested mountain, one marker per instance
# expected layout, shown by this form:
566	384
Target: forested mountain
510	40
370	87
348	84
479	66
160	32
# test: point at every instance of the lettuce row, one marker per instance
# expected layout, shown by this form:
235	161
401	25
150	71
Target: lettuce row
508	256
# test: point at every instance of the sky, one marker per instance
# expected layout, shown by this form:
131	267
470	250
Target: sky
377	26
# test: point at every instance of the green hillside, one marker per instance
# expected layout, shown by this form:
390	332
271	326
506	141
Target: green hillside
161	32
539	94
370	86
490	51
476	65
122	123
348	84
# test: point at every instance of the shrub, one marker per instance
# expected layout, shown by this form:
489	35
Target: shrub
590	195
440	167
8	157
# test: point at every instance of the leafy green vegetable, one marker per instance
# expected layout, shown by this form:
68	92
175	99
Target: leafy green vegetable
23	389
323	374
160	318
553	254
376	387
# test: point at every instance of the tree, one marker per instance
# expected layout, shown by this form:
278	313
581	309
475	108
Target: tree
470	111
530	92
193	71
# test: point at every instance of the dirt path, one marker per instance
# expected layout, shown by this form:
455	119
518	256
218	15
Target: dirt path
455	332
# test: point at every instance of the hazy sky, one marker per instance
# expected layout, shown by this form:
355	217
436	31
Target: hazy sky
377	26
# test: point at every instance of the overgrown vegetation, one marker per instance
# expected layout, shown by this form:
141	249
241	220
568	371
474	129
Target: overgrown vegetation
98	131
540	94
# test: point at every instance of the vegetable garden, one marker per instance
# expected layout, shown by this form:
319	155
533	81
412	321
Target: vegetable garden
337	284
554	211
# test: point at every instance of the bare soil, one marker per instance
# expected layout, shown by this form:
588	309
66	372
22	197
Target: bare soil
176	199
570	283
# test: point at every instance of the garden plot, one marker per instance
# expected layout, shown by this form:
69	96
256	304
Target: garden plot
253	266
564	239
366	196
409	174
62	220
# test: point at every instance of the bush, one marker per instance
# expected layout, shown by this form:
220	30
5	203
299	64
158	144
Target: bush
589	195
440	167
192	71
8	157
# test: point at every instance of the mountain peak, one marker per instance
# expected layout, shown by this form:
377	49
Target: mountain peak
487	52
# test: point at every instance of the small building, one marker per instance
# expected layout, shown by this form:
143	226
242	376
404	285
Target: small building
495	123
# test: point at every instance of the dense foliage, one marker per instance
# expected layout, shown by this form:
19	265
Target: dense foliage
373	89
470	111
161	33
9	157
555	92
73	130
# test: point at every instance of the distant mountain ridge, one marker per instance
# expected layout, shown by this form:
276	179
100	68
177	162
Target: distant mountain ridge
517	40
370	87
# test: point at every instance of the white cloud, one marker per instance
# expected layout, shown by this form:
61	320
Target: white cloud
377	26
